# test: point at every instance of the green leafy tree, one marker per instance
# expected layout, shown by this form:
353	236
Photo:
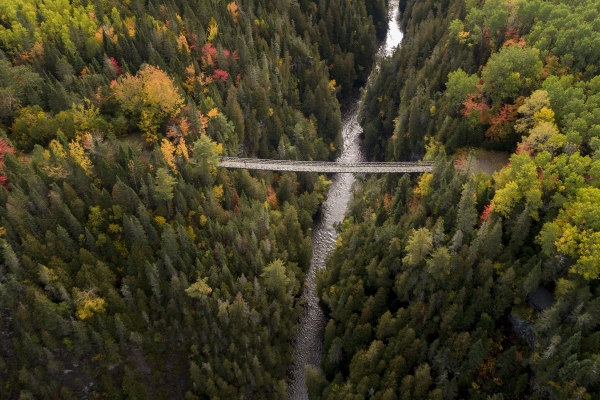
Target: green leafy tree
164	185
275	277
459	86
510	72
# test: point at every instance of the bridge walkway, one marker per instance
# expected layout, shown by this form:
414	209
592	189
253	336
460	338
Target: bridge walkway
326	167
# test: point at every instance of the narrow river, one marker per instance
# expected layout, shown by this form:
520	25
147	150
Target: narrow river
308	343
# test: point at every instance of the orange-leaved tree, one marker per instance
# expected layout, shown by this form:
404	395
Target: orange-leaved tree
151	96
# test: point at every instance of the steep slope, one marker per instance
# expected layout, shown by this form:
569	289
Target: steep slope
462	285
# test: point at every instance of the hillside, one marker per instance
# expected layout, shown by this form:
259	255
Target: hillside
143	271
464	285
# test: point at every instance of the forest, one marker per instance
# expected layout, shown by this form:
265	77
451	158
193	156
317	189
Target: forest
131	266
458	284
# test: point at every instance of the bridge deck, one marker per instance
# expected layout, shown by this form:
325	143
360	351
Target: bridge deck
326	167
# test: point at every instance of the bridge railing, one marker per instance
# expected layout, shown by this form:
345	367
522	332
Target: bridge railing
326	163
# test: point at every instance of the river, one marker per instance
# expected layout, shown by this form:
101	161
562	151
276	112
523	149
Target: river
308	344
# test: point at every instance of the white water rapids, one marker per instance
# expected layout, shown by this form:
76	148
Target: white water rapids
308	344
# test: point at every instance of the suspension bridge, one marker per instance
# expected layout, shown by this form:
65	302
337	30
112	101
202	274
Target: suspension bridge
326	167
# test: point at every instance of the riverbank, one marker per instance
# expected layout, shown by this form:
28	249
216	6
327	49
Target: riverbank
308	343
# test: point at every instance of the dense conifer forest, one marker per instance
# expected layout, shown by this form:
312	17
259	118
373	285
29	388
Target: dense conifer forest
458	284
131	266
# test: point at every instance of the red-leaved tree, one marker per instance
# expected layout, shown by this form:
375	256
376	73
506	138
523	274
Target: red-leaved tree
4	148
116	66
499	123
220	74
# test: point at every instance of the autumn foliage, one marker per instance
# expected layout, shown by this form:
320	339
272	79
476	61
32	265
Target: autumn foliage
486	213
233	10
220	75
4	148
475	102
117	68
272	197
151	96
499	123
210	55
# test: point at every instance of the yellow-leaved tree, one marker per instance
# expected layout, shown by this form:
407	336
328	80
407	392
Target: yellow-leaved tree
576	233
199	290
537	120
77	153
213	29
88	303
151	96
168	151
25	22
518	182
